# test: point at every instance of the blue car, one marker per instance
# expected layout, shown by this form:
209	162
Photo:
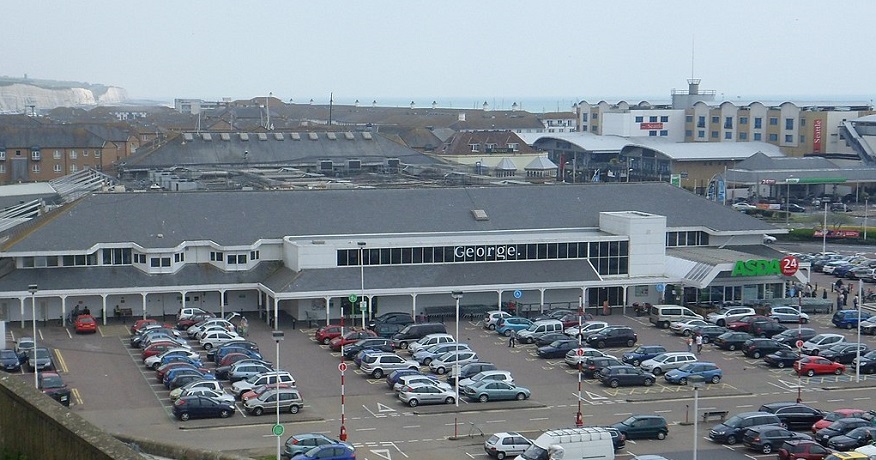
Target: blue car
392	378
179	359
513	324
9	361
642	353
848	319
710	373
329	452
174	373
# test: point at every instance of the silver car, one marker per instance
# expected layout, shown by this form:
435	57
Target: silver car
788	315
447	361
426	394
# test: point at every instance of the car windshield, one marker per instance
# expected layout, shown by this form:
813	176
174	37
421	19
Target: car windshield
41	353
689	367
52	381
7	354
533	452
629	421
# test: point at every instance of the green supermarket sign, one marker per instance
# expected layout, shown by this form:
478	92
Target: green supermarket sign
757	268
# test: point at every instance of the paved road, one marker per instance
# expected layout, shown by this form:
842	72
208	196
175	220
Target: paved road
114	391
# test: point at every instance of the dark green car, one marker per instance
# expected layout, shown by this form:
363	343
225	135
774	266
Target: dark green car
643	427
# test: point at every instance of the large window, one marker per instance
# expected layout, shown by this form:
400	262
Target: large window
117	256
608	257
692	238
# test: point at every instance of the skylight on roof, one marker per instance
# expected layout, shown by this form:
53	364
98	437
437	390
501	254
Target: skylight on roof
331	136
313	136
295	136
366	136
188	137
348	135
225	136
263	136
480	215
244	136
279	136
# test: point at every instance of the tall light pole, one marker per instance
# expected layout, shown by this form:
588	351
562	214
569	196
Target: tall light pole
824	231
858	352
362	280
866	210
579	416
278	429
696	381
456	296
33	288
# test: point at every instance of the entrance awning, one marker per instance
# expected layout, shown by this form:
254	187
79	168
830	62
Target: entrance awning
698	266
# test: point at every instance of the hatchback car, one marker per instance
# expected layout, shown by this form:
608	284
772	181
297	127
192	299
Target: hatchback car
839	428
469	370
592	365
643	427
491	318
710	373
512	324
642	353
802	450
391	318
844	353
590	327
414	395
668	361
491	390
782	358
685	328
791	336
732	340
41	359
710	333
51	384
747	323
85	324
576	357
429	341
848	319
729	314
613	336
325	334
340	451
731	430
302	442
245	370
767	438
373	343
189	407
814	365
445	362
425	356
506	444
287	399
758	347
419	379
838	414
795	416
557	348
853	439
349	337
625	375
788	315
9	361
380	364
814	345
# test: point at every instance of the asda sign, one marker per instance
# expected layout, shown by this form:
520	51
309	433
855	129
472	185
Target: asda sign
786	266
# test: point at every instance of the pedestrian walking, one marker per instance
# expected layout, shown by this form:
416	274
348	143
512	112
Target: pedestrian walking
824	294
244	327
689	344
512	341
855	302
699	342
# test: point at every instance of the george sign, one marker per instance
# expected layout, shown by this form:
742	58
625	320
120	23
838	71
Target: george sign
757	268
353	298
518	294
789	265
481	253
816	136
277	430
768	182
799	343
650	125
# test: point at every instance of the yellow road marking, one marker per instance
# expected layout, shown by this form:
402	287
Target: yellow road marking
60	359
77	397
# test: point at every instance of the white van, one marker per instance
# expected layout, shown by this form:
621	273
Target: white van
664	315
589	443
538	329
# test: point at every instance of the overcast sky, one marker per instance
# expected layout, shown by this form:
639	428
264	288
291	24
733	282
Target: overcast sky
450	51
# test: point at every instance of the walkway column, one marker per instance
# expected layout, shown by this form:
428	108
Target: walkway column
276	313
222	303
500	300
183	297
328	306
625	289
64	311
103	307
414	307
21	304
541	301
143	294
584	299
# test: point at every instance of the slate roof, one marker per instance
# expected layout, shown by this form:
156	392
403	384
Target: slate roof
57	136
164	220
814	169
271	151
506	165
540	164
460	144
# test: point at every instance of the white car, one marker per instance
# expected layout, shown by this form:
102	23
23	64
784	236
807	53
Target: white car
820	342
240	387
576	356
429	340
192	331
665	362
769	239
215	339
788	315
154	361
414	395
728	315
590	327
214	385
418	379
685	327
213	328
188	312
212	394
445	362
506	444
744	207
380	364
491	318
502	376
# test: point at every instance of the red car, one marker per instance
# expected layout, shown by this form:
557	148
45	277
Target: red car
257	391
812	365
798	449
143	322
325	334
85	323
158	348
744	324
350	337
232	358
190	321
841	413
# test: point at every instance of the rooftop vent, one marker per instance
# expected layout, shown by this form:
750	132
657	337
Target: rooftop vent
331	136
279	136
225	136
188	137
313	136
295	136
480	215
263	136
348	136
366	136
206	136
244	136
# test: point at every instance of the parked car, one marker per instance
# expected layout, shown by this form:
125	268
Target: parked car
491	318
41	359
9	361
443	363
51	384
625	375
495	374
820	342
788	315
173	354
303	442
710	333
853	439
188	407
288	399
512	324
710	373
613	336
378	365
242	386
576	357
557	349
371	343
246	369
867	363
747	323
686	327
206	384
794	416
414	395
350	337
188	312
643	427
548	339
492	390
848	319
667	361
590	327
758	347
340	451
839	428
791	336
767	438
427	355
429	341
814	365
201	391
325	334
236	346
838	414
391	318
728	315
419	379
731	340
22	346
642	353
215	339
844	352
592	365
393	377
798	449
733	429
506	444
469	370
85	324
782	358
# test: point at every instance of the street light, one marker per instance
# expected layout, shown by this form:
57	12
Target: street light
824	231
456	296
362	280
278	429
697	382
33	288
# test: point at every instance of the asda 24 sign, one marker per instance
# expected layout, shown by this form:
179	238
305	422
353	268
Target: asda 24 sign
786	266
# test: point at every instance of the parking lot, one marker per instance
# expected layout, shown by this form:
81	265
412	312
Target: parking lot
113	389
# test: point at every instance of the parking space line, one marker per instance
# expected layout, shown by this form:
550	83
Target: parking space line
60	360
69	335
77	397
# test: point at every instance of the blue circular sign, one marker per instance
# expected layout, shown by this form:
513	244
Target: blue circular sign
518	294
661	287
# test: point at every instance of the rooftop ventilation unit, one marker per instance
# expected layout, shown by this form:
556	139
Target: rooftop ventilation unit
348	136
331	136
206	136
225	136
279	136
366	136
244	136
188	137
326	165
263	136
354	164
295	136
480	215
392	162
313	136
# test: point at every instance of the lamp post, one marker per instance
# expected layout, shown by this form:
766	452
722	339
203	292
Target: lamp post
33	288
278	429
697	382
858	352
362	280
824	231
579	416
456	296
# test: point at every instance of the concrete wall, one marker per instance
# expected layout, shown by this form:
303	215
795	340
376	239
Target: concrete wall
36	426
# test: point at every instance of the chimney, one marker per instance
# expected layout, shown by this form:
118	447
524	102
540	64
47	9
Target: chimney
486	106
374	103
461	116
514	107
413	105
434	104
693	86
356	104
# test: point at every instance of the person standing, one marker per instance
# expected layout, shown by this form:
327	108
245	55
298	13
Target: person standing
855	302
689	342
699	342
512	341
244	327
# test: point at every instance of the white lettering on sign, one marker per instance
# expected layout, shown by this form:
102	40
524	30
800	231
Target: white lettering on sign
495	252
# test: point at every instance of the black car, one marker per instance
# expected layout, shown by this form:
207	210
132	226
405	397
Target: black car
710	333
643	427
613	336
782	358
374	343
624	375
839	428
758	347
558	348
731	340
387	330
468	370
617	438
51	384
391	318
844	353
853	439
767	328
592	365
549	338
795	416
188	407
791	336
9	361
554	314
767	438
